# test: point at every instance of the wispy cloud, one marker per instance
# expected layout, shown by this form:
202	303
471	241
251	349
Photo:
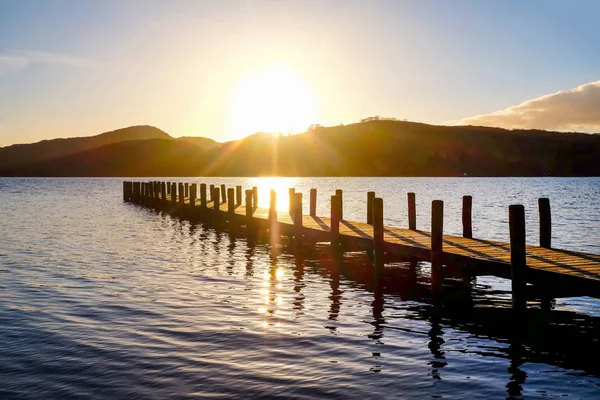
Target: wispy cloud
566	110
24	58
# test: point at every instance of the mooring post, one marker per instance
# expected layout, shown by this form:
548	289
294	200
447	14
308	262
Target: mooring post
378	232
143	193
136	192
163	189
273	207
335	222
370	197
187	189
412	211
193	194
545	222
181	193
249	210
211	192
291	192
173	193
223	194
518	261
203	208
216	205
231	206
313	202
168	188
298	210
437	237
238	195
254	197
340	194
467	218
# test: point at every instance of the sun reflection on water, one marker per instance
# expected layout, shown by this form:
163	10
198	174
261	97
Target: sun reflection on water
280	185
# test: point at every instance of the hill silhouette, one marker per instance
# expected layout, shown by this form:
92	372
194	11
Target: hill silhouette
20	155
369	148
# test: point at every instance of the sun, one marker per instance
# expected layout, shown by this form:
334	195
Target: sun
275	99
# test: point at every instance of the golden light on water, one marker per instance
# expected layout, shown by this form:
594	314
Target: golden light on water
280	185
275	99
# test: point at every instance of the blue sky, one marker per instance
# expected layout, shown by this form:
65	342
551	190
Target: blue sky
224	69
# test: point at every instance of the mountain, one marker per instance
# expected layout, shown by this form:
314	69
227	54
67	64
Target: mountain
152	157
369	148
18	155
202	142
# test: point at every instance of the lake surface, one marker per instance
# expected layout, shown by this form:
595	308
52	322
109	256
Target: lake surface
101	299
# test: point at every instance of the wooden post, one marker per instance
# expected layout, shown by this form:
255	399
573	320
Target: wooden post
273	207
313	202
467	206
216	205
338	192
187	189
231	205
173	193
181	193
125	189
298	210
163	188
193	194
168	188
211	192
291	192
136	192
378	232
203	208
412	212
143	193
545	222
223	194
254	197
335	221
370	197
249	210
238	195
437	236
518	261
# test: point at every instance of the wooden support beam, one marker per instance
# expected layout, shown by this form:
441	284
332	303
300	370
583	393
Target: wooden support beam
412	212
211	192
173	193
249	210
203	201
238	195
291	192
518	263
163	189
335	221
168	188
313	202
181	193
545	223
125	188
254	197
187	189
231	205
223	194
298	210
437	232
378	232
193	194
370	197
273	206
338	192
467	218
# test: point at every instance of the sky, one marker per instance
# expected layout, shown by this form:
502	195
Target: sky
226	69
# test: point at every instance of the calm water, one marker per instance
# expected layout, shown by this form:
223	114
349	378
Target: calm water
101	299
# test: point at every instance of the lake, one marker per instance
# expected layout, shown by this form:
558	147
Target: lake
103	299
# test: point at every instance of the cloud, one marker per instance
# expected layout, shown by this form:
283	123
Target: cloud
567	110
24	58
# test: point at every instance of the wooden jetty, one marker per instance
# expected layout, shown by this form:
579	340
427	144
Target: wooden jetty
535	271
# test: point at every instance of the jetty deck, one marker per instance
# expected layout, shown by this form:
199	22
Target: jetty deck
550	271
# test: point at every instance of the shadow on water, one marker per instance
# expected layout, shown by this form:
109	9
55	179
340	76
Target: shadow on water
564	339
